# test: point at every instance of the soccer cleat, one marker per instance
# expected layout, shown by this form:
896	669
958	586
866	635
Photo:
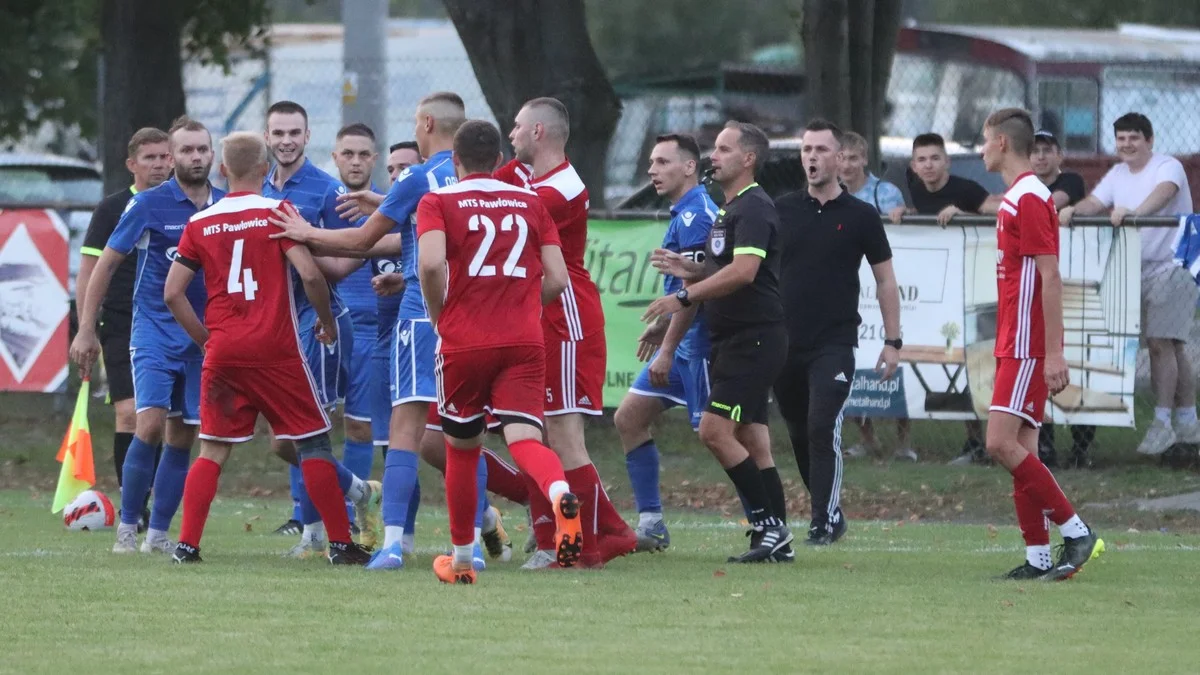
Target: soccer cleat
1159	438
784	555
531	540
1075	553
390	558
292	528
126	539
856	452
449	573
366	513
160	545
906	455
186	554
765	541
653	538
610	545
825	535
1187	432
307	548
348	554
540	560
495	537
568	534
1024	572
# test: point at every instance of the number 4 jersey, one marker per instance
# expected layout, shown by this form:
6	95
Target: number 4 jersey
251	310
494	234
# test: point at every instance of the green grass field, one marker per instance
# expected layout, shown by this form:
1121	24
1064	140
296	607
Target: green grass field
892	597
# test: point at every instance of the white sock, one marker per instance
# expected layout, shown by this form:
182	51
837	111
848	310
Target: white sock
1163	415
122	527
357	491
1039	556
392	534
155	535
313	532
1185	415
407	543
1073	528
463	554
557	489
479	536
648	519
489	519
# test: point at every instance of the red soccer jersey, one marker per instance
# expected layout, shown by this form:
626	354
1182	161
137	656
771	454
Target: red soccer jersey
577	313
494	237
1026	226
250	314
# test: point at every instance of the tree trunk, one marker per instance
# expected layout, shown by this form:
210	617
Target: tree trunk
141	76
824	31
523	49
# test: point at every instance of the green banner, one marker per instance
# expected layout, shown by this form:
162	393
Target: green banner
618	258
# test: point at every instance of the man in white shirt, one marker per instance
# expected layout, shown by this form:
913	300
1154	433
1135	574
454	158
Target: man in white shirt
1147	183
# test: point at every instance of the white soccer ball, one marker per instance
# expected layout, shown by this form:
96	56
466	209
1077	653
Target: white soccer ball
90	511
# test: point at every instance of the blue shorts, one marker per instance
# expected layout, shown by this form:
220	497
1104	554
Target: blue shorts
358	389
328	362
161	381
381	395
687	385
414	346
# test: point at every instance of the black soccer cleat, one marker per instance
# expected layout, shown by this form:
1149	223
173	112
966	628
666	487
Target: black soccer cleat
821	534
185	553
1024	572
784	555
765	542
349	554
291	528
1075	552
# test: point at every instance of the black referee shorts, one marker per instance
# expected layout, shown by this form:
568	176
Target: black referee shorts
114	344
742	369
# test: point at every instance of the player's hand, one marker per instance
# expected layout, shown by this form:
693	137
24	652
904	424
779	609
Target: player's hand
896	214
84	350
1118	216
1057	375
947	214
645	350
388	283
660	369
294	226
1066	216
888	360
670	262
355	205
651	339
325	335
664	306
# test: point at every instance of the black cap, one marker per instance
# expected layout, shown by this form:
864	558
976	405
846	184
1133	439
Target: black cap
1046	136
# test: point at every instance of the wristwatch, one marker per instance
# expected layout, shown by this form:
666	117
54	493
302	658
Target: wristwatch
682	296
897	343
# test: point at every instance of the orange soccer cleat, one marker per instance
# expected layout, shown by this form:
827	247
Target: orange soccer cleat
448	573
568	534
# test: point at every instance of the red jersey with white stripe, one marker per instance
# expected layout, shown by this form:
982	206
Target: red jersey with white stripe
250	314
577	313
494	238
1026	226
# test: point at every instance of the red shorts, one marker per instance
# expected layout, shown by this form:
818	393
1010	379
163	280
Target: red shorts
575	375
501	381
233	396
1020	388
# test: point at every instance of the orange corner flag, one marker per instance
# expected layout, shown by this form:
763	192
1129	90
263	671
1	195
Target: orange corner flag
78	469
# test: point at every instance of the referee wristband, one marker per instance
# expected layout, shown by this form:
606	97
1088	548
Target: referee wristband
88	250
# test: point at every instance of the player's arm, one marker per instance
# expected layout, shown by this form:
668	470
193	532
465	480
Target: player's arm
388	246
887	292
554	272
316	288
1057	375
86	347
353	240
182	271
100	228
735	275
431	255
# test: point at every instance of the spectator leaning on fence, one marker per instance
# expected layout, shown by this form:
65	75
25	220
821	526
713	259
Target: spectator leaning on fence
1147	183
1066	189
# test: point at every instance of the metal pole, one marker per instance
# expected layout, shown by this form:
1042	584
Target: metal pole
364	78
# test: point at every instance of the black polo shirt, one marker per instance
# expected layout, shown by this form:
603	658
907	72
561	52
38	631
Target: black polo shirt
747	225
822	250
119	299
964	193
1070	184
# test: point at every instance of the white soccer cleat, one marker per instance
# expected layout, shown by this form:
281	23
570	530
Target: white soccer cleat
1187	432
308	549
540	560
1159	438
126	539
161	545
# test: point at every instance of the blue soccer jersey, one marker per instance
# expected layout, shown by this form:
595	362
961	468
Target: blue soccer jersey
401	206
691	219
355	290
153	223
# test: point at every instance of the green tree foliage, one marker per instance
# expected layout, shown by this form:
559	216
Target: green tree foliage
1065	13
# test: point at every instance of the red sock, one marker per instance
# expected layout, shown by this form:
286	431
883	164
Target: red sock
609	520
198	492
1030	517
505	480
586	486
1036	481
321	481
461	493
538	462
541	513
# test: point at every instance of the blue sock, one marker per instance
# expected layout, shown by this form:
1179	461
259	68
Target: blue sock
414	504
399	483
358	457
642	463
345	476
481	505
168	486
308	510
296	487
136	475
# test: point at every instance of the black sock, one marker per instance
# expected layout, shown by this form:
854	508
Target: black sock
748	480
774	488
121	441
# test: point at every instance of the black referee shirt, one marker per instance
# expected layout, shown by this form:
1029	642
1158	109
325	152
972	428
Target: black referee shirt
822	249
747	225
119	299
